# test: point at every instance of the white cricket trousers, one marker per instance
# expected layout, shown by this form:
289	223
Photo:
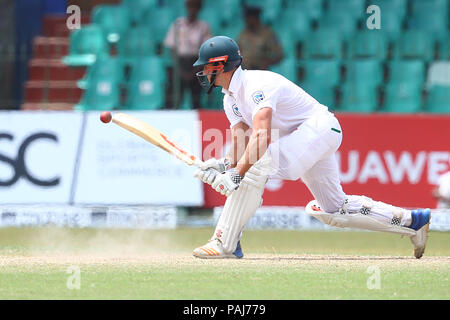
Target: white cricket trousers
309	153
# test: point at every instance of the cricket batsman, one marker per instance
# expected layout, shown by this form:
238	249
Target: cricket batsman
304	146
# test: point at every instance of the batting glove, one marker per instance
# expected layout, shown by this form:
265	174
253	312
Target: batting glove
227	182
211	168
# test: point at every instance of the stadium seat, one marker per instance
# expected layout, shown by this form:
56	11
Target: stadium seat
416	44
213	101
365	72
402	97
270	9
406	71
343	22
320	79
159	21
323	44
136	43
288	68
233	30
419	7
358	97
86	44
286	41
356	8
444	48
146	85
399	7
104	69
102	85
439	74
138	8
392	25
435	24
313	8
212	17
439	99
113	19
230	10
297	23
369	44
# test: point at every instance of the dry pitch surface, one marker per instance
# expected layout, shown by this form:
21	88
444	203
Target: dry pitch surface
125	264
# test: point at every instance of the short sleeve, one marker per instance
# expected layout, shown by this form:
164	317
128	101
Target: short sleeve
232	111
264	97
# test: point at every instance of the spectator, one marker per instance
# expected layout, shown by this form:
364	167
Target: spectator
258	43
442	192
184	38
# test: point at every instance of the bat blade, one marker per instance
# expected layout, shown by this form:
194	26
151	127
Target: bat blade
154	136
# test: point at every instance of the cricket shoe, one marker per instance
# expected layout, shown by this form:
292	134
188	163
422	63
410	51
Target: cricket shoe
421	223
214	250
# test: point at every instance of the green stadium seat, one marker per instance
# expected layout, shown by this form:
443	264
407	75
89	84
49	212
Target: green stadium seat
100	95
369	44
392	25
439	99
86	44
399	7
323	44
289	46
178	7
212	17
298	24
136	43
288	68
403	97
435	24
364	72
419	7
314	8
406	71
415	44
233	30
159	21
146	85
102	85
213	101
271	10
113	19
104	69
230	10
358	97
438	73
320	79
356	8
138	8
343	22
444	48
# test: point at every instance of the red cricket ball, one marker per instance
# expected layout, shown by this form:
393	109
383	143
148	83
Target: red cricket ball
105	117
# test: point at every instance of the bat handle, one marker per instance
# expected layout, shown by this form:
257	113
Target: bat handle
198	163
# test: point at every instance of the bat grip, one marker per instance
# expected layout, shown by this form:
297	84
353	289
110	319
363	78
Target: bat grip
198	163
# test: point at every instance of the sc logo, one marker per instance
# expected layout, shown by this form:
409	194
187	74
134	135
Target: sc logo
18	164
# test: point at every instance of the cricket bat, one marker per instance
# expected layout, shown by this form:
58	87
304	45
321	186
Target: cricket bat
155	137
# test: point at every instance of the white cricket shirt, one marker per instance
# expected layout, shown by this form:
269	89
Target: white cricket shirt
252	90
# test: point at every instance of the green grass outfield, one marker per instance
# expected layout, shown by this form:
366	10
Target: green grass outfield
157	264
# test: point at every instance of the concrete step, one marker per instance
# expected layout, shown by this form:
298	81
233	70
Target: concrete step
53	70
52	91
50	47
48	106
